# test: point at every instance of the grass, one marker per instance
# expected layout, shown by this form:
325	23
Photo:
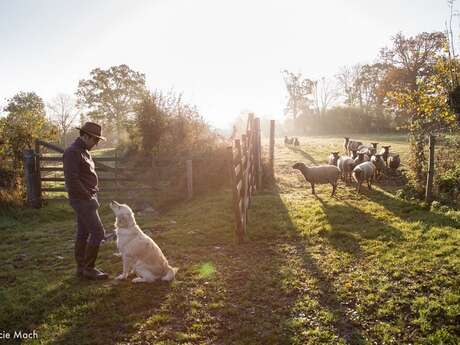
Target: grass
355	269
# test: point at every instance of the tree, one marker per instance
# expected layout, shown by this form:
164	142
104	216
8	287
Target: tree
413	61
64	113
25	122
299	89
113	95
324	94
150	122
347	84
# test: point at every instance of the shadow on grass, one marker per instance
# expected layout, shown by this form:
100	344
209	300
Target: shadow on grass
261	305
303	153
87	312
346	232
411	212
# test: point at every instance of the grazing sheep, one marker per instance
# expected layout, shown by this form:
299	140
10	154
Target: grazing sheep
296	142
345	164
333	158
385	152
364	172
394	161
351	145
361	158
319	175
379	164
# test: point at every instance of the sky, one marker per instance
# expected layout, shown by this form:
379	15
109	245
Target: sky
226	57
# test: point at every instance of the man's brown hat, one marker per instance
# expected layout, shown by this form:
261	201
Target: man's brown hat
93	129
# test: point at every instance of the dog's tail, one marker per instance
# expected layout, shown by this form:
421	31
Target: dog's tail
170	274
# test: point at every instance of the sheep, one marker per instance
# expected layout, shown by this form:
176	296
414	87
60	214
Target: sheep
385	152
345	164
379	164
286	140
361	158
394	161
296	142
333	158
368	150
364	172
319	175
351	145
354	154
374	146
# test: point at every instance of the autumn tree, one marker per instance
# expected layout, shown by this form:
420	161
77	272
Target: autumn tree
413	61
113	95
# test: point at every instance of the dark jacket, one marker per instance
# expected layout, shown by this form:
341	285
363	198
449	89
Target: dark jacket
80	177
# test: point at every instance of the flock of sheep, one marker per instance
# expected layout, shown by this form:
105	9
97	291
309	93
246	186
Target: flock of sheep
360	162
291	141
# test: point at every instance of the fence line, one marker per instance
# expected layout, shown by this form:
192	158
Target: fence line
246	173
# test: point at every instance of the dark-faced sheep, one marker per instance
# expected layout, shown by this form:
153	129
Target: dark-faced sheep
394	161
364	172
385	152
379	164
319	175
333	157
296	142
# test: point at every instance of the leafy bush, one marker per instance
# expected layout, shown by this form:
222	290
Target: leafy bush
12	192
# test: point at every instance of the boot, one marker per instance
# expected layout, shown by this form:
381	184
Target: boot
80	249
90	272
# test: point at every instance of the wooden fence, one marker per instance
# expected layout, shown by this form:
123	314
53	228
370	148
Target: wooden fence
246	172
38	169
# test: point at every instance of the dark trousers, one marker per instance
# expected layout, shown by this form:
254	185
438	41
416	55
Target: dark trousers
89	223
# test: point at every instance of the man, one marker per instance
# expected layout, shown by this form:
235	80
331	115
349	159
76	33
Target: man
81	183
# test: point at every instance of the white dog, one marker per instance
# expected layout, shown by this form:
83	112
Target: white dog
139	252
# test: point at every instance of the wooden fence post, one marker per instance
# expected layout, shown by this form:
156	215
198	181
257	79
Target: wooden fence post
272	147
189	179
235	178
242	194
429	179
30	172
38	172
257	154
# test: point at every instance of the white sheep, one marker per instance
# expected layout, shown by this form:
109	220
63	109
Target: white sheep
364	172
319	175
345	164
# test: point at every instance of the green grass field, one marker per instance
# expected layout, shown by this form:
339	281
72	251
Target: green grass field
354	269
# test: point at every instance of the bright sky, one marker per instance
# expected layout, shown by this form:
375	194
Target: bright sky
225	56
